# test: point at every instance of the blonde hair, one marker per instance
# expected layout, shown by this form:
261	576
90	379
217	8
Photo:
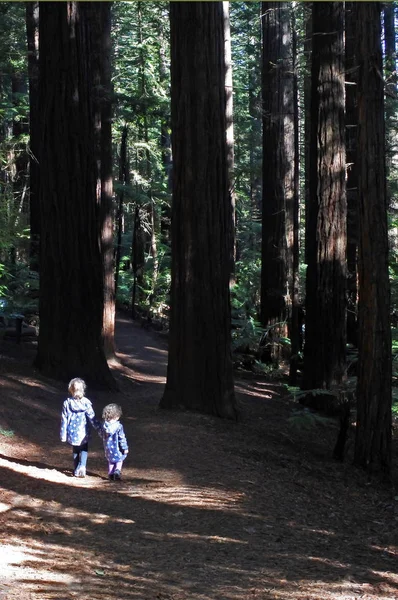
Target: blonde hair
75	386
111	412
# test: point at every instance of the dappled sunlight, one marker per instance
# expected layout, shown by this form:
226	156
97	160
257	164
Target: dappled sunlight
188	495
156	350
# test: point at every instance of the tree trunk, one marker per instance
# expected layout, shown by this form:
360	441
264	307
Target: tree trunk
293	229
279	192
230	127
352	177
124	179
199	373
32	31
373	432
325	330
106	210
71	271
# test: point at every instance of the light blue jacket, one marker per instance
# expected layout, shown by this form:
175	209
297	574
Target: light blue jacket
77	413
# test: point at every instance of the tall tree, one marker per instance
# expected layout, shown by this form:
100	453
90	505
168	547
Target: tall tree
106	174
373	431
71	271
199	372
279	191
32	34
230	123
324	350
352	175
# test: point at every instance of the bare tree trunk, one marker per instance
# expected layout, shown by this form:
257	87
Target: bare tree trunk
71	271
199	373
32	30
124	179
324	350
373	432
352	177
279	194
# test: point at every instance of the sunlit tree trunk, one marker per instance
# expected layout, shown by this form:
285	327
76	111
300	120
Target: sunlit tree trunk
124	180
199	372
373	431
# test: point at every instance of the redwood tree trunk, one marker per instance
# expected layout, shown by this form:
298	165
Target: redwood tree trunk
32	32
278	173
325	329
373	432
199	373
71	276
352	177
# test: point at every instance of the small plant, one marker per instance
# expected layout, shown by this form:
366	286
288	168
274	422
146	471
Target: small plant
6	432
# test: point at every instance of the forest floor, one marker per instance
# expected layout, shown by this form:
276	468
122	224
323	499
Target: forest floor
207	509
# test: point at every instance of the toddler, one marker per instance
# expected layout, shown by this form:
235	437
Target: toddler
114	438
77	412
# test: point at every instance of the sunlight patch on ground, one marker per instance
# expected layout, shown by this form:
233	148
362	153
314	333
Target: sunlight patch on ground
189	496
52	475
14	558
47	510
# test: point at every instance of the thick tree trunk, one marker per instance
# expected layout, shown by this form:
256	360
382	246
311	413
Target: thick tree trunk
325	329
71	272
373	433
199	373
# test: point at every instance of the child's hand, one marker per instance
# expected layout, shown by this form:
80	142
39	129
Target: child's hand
125	451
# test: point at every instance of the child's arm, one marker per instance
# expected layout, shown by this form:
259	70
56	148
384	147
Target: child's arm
64	423
123	445
90	414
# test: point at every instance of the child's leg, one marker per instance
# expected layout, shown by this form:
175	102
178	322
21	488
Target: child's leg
80	454
76	456
118	466
111	467
83	455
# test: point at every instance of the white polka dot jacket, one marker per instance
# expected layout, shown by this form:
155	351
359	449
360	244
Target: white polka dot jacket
115	442
77	414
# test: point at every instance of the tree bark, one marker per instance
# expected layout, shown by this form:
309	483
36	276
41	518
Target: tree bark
373	431
32	32
199	373
71	270
278	174
325	328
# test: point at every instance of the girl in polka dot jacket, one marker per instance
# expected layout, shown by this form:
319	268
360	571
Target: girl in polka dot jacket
77	413
114	438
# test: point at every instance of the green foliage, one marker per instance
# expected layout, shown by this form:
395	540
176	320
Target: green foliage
305	419
6	432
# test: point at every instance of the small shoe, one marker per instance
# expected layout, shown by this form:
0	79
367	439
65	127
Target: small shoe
81	472
111	477
117	475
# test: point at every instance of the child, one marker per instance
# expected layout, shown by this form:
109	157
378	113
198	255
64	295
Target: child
114	438
77	411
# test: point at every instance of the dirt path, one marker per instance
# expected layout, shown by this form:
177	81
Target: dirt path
207	509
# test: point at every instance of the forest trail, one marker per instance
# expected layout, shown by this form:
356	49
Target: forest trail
206	510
